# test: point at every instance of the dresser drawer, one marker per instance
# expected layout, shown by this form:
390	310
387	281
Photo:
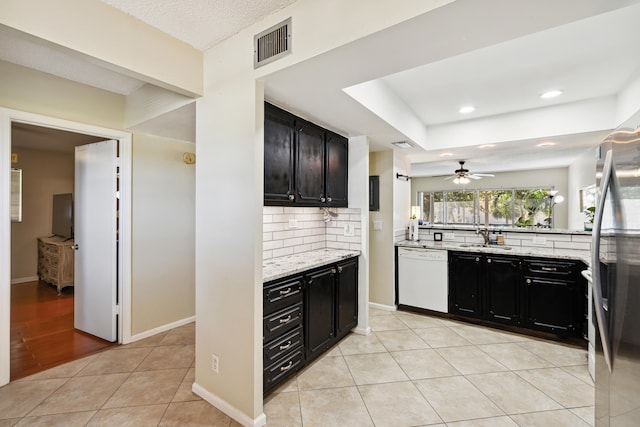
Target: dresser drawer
283	368
281	346
279	295
281	321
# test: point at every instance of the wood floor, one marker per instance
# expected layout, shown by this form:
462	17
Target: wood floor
42	333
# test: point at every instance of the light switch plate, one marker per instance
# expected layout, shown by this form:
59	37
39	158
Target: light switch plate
293	223
349	230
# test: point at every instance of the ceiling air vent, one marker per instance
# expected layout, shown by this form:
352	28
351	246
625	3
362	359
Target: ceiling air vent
272	44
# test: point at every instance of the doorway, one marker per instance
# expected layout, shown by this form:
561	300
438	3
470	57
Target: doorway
11	118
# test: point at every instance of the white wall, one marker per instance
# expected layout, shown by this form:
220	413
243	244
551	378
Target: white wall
163	241
556	178
581	174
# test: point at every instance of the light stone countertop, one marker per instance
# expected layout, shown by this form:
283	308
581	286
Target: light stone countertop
573	254
277	268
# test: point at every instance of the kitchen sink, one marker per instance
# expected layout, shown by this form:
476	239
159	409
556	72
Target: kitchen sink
481	245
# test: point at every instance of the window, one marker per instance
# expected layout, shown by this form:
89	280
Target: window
520	207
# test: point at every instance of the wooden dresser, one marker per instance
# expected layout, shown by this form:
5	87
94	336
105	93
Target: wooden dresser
55	261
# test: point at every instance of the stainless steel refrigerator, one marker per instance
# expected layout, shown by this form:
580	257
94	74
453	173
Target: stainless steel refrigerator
616	278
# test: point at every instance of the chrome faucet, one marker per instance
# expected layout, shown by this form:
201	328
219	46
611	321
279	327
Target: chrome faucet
484	232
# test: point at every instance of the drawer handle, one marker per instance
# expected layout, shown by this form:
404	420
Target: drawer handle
286	346
286	319
528	281
285	292
286	368
549	269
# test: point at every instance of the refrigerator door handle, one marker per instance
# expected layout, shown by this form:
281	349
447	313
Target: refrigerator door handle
603	327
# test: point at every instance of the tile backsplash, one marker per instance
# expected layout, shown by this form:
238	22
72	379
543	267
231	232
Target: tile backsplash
289	230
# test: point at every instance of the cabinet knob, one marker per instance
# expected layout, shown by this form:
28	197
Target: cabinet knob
75	247
285	292
489	261
477	259
292	197
333	271
339	269
528	281
286	346
328	199
286	367
322	199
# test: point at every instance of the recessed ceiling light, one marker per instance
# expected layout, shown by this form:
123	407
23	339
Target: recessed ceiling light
467	109
403	144
551	94
488	146
546	144
446	154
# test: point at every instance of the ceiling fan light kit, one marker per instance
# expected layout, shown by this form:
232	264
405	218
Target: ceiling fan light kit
462	176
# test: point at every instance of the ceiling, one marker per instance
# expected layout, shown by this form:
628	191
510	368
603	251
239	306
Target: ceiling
426	82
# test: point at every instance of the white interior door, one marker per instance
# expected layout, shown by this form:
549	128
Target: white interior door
96	234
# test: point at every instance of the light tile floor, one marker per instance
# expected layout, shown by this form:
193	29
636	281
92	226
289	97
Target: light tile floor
415	370
412	370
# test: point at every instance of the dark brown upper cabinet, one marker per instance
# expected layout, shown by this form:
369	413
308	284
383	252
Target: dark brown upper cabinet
304	164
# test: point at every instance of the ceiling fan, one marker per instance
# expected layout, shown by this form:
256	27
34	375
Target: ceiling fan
462	175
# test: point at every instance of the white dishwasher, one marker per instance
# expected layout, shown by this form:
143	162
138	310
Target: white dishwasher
422	278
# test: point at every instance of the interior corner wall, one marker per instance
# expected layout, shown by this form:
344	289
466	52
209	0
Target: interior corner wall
44	173
28	90
381	249
402	198
163	233
582	173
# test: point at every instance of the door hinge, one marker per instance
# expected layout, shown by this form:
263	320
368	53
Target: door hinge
118	163
116	310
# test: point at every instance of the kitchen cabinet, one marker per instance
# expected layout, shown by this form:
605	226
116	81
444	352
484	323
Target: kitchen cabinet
304	164
540	294
346	297
501	289
554	296
465	277
278	156
319	311
304	315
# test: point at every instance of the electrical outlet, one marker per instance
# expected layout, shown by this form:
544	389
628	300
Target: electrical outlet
349	230
449	236
540	241
215	363
293	223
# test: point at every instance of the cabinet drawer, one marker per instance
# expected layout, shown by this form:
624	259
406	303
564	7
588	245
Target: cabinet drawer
281	321
283	368
559	270
282	346
279	295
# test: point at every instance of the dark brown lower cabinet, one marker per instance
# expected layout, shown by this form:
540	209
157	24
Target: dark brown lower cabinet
306	314
542	294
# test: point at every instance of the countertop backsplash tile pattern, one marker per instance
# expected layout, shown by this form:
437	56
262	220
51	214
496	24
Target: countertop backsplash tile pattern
291	230
579	241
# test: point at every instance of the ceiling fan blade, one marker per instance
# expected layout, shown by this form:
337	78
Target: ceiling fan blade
483	174
449	177
474	176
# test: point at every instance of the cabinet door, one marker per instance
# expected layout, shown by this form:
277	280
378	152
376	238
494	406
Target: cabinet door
552	306
278	156
337	167
464	284
502	289
310	162
347	297
319	311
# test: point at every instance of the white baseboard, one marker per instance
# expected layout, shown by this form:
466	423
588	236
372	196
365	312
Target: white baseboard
163	328
383	307
24	280
362	331
229	409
